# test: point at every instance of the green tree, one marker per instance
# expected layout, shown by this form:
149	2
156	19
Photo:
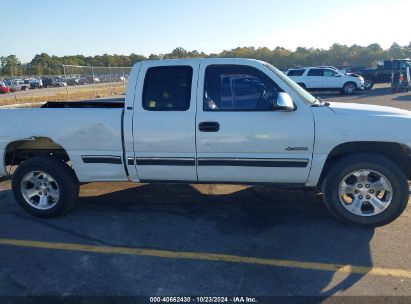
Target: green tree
396	51
337	55
177	53
11	66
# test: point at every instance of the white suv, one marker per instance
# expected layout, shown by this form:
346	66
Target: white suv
326	78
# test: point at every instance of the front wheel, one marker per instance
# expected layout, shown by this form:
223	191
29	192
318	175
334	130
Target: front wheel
365	189
349	88
45	186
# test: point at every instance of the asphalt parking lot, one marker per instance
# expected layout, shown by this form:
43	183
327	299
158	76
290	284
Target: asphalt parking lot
203	240
380	95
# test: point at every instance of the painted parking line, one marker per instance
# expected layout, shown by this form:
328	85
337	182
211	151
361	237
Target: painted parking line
202	256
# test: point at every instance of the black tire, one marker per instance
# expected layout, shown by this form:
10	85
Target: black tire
349	88
375	162
302	85
368	84
63	175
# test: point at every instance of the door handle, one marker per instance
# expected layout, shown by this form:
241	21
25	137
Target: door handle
209	126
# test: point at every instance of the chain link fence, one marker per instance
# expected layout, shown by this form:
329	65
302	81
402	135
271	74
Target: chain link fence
95	82
75	83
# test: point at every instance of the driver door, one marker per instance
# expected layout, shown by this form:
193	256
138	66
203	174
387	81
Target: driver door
239	135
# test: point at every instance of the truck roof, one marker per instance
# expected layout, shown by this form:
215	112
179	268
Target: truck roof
228	60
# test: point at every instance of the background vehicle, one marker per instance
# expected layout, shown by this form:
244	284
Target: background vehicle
84	80
4	89
53	82
117	78
72	81
212	121
17	85
47	82
36	83
383	72
343	70
326	79
59	82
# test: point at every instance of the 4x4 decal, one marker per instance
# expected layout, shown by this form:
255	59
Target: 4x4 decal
297	149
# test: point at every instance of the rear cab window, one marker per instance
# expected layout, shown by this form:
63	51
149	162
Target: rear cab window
167	88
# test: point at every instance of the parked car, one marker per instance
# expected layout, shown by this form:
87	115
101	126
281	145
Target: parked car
36	83
59	82
53	82
117	78
72	81
212	121
47	82
17	85
326	79
383	72
4	89
85	80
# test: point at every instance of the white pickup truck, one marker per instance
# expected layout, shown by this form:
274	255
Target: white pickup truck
212	121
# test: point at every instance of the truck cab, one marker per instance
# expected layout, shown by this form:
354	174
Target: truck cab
221	100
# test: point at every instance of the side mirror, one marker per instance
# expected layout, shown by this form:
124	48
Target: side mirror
284	103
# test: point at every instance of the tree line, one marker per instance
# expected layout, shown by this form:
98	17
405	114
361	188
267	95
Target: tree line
337	55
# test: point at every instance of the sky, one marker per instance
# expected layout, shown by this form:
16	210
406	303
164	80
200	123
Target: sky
96	27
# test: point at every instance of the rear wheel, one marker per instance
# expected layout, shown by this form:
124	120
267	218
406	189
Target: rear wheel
366	190
302	85
45	186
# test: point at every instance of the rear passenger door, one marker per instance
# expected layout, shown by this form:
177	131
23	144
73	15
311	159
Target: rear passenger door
314	79
164	121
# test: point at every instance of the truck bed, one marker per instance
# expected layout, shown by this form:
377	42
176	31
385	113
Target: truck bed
92	103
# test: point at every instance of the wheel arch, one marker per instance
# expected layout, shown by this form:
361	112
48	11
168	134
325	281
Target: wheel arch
20	150
350	81
396	152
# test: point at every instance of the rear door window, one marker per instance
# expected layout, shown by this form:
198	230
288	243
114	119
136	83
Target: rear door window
315	72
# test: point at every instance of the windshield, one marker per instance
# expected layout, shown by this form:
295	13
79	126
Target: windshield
307	97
